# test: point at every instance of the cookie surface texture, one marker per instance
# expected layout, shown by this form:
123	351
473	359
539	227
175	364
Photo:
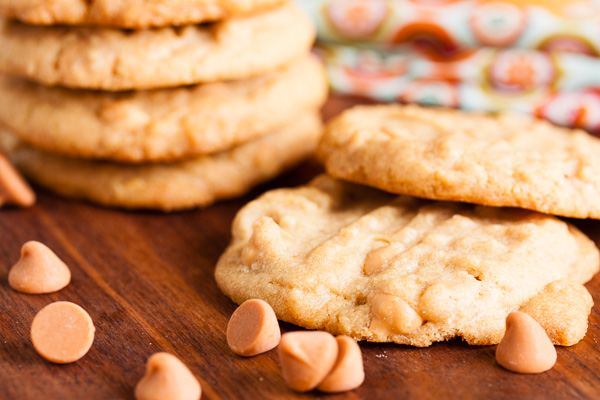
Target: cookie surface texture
196	182
503	160
374	266
161	124
128	14
113	59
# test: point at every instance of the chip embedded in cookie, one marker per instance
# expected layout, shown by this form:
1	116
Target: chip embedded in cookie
128	14
162	124
501	160
113	59
374	266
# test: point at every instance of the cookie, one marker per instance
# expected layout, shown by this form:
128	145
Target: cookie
195	182
163	124
495	160
113	59
356	261
128	14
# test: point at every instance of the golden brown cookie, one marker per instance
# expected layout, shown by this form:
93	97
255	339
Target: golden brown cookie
356	261
191	183
113	59
128	14
162	124
501	160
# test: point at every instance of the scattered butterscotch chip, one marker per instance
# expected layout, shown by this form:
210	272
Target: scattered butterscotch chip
38	270
348	372
306	358
13	188
525	347
167	378
62	332
253	328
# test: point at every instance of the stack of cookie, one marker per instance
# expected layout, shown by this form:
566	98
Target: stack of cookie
162	104
369	260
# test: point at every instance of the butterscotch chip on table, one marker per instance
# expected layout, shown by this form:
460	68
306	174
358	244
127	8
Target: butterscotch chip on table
499	160
525	347
112	59
128	14
62	332
167	378
13	188
348	372
306	358
253	328
39	270
185	184
163	124
357	261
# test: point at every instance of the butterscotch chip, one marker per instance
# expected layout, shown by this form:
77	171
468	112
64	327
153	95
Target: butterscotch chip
163	124
62	332
253	328
375	266
112	59
525	347
128	14
167	378
13	188
306	358
495	160
348	372
185	184
38	270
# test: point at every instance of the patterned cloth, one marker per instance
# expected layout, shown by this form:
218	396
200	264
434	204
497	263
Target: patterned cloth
482	55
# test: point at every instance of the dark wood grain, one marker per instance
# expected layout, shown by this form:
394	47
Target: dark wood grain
147	281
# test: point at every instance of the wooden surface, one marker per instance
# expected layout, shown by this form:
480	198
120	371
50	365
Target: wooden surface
147	281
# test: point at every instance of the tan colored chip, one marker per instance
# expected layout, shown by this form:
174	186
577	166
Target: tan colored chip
62	332
348	372
253	328
130	13
306	358
316	254
162	124
112	59
169	186
167	378
525	347
502	160
13	188
39	270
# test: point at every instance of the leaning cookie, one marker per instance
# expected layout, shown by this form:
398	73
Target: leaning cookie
501	160
357	261
112	59
162	124
195	182
128	14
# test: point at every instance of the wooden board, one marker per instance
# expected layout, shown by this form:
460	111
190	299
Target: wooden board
146	279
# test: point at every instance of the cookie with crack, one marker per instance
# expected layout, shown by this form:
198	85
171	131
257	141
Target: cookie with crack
196	182
494	160
163	124
133	14
113	59
356	261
